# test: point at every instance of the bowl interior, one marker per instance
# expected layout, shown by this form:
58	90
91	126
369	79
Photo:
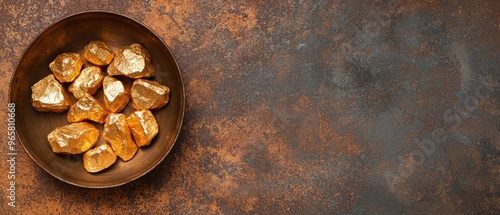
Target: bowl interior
71	35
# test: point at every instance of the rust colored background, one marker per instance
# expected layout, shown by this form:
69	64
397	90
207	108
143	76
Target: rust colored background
300	107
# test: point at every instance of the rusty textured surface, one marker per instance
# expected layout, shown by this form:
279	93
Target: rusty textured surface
299	107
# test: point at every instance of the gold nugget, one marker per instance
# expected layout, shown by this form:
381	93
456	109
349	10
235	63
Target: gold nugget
143	126
66	66
87	108
99	158
98	53
116	96
74	138
149	94
89	80
48	95
132	61
117	133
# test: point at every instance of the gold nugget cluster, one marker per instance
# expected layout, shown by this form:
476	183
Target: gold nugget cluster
123	135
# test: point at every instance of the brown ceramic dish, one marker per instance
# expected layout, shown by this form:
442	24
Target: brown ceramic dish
71	34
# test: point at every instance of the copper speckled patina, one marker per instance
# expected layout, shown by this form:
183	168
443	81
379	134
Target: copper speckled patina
300	107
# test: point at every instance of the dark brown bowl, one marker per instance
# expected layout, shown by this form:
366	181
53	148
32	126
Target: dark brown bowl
71	34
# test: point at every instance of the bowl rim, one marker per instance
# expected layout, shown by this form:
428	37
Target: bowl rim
182	102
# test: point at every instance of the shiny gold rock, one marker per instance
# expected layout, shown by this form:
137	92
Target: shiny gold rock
48	95
89	80
143	126
74	138
132	61
116	96
87	108
117	133
66	66
99	158
149	94
98	53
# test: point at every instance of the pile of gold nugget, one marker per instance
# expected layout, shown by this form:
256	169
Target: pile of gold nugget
124	134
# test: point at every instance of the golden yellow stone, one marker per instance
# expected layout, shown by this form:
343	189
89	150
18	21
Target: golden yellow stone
74	138
149	94
98	53
48	95
99	158
143	126
66	66
117	133
89	80
132	61
87	108
116	96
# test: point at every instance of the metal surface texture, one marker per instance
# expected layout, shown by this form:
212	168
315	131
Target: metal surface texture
299	107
